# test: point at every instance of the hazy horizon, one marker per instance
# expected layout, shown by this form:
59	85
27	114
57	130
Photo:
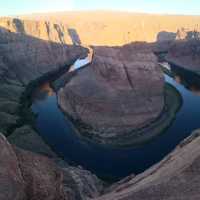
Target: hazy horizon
170	7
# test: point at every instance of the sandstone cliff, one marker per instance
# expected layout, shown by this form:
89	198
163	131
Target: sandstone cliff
28	50
116	93
25	175
175	177
119	28
185	54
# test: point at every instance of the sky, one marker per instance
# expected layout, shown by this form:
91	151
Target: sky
17	7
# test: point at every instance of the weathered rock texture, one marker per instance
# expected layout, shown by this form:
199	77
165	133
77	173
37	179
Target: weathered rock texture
12	185
29	50
119	28
116	93
185	54
176	177
28	176
28	139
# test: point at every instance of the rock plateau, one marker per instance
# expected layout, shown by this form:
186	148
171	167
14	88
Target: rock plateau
121	90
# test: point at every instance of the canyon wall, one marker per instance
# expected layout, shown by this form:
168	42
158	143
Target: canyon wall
118	28
185	54
113	90
175	177
25	175
28	50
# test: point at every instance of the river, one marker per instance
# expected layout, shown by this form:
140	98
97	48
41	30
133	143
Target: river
112	163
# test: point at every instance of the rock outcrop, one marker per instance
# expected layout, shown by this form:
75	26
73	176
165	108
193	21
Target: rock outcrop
12	185
122	90
185	54
123	87
28	50
176	177
28	176
24	175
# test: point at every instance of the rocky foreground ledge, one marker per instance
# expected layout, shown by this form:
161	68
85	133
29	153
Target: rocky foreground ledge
29	170
176	177
28	176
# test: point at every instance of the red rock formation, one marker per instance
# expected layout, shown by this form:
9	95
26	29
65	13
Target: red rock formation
185	54
12	185
120	91
176	177
29	176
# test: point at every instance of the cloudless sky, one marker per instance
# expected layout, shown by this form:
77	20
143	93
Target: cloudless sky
16	7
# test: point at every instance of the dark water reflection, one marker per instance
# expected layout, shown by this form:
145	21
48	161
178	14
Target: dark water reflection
108	162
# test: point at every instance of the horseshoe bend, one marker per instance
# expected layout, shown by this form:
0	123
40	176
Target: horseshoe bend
99	105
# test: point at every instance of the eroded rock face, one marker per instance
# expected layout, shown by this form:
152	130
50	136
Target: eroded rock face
30	56
81	184
28	50
185	54
12	185
24	175
121	90
42	177
28	176
176	177
118	28
28	139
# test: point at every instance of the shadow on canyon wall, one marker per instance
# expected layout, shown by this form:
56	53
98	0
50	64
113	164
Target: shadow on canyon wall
74	36
166	36
18	25
23	59
188	79
181	34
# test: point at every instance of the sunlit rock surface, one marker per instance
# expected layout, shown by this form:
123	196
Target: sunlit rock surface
28	50
12	185
113	28
122	90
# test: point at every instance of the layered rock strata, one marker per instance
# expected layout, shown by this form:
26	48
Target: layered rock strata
122	90
25	175
175	177
185	54
28	50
